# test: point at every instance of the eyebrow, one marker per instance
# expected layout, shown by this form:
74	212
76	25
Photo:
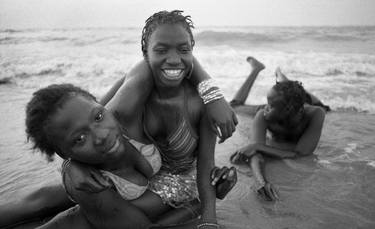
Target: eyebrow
165	44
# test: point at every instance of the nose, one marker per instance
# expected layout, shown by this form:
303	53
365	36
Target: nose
173	58
100	135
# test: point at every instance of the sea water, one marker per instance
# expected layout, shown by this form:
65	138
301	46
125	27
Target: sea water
332	189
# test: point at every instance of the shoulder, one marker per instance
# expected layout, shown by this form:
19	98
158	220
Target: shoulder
315	111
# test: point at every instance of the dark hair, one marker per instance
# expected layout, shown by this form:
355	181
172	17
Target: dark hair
161	18
293	92
42	105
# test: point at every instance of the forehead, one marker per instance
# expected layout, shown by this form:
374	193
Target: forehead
74	111
170	33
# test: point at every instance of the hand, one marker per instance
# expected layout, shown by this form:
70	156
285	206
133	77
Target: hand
224	179
268	192
222	118
243	154
84	178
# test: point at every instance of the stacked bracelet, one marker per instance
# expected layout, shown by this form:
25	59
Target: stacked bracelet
207	224
208	92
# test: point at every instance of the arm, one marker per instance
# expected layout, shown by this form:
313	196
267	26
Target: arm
220	114
107	209
138	85
206	163
108	96
310	138
259	141
127	100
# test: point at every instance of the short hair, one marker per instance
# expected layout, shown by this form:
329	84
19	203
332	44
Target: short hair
161	18
39	109
293	92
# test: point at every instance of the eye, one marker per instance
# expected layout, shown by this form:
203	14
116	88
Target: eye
185	49
160	50
99	116
80	139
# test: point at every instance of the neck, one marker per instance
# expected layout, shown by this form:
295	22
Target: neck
164	92
120	162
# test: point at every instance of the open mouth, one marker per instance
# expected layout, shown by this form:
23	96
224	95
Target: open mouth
173	74
114	147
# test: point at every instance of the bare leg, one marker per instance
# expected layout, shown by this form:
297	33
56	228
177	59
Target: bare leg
41	203
243	92
72	218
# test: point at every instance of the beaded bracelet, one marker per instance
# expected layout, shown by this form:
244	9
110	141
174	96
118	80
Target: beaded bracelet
207	224
208	92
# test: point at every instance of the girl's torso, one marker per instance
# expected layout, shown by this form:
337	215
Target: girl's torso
131	181
173	125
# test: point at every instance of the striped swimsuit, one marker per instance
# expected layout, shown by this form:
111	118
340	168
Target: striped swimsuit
175	183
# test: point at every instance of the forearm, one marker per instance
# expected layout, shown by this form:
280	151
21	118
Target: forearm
206	193
109	95
135	90
274	152
107	210
206	162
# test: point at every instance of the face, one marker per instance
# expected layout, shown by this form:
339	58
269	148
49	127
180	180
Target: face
276	108
86	131
169	54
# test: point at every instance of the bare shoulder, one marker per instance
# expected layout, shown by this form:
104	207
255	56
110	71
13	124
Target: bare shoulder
314	111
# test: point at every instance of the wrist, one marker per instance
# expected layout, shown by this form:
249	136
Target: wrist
208	91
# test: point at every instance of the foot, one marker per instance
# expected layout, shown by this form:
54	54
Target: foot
280	77
255	64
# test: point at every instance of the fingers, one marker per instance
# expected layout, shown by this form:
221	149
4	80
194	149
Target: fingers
220	174
100	179
271	192
232	174
213	172
224	132
275	193
94	183
215	128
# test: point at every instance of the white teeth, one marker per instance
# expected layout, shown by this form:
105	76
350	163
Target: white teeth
114	147
172	72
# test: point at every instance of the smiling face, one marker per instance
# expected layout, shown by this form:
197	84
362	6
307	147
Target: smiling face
86	131
169	54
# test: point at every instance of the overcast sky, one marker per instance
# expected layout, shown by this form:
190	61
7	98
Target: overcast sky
123	13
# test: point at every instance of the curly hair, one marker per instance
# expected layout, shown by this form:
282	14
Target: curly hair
293	92
39	109
161	18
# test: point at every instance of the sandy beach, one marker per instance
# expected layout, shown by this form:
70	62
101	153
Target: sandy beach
331	189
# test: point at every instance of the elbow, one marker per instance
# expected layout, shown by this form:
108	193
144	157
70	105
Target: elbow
304	153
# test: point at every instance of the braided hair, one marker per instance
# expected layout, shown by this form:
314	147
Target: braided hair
42	105
293	93
161	18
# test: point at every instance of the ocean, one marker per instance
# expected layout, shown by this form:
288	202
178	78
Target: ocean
331	189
